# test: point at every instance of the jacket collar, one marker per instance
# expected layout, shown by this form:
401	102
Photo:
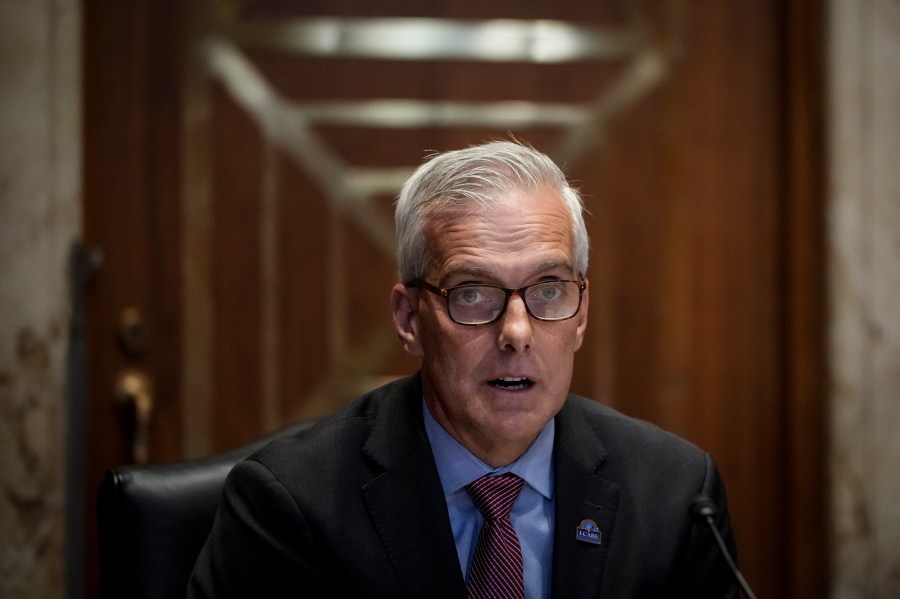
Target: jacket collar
581	495
406	492
405	498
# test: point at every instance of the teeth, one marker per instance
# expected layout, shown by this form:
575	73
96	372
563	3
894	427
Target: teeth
512	383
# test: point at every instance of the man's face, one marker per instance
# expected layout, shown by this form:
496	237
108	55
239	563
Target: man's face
493	387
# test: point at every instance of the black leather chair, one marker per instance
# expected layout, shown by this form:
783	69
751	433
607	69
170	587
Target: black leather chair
154	519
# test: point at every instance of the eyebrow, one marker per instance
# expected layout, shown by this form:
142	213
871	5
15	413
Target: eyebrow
487	274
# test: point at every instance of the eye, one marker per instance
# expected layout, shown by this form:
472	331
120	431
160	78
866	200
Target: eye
470	295
476	296
550	291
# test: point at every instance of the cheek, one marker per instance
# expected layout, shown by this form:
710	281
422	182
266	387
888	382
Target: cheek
438	345
455	351
565	341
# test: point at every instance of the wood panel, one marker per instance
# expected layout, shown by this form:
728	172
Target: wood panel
131	200
804	407
711	197
705	267
333	274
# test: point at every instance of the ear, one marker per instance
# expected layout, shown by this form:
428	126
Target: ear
582	316
403	306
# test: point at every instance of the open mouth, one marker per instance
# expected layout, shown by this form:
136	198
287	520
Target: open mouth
512	383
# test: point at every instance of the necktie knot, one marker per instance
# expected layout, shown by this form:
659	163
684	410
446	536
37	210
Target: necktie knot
494	495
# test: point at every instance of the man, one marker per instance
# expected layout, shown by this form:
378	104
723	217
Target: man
392	496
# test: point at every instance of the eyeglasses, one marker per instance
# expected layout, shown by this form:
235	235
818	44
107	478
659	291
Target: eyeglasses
483	304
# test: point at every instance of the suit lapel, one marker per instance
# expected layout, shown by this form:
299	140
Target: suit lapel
406	502
581	494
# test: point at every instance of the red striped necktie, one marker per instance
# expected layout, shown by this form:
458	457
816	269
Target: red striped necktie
496	569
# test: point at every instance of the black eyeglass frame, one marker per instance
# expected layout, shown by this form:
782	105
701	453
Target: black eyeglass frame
445	293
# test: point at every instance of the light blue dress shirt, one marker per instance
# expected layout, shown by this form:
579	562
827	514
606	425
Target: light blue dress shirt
532	513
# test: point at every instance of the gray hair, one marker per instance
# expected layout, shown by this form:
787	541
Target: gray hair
479	175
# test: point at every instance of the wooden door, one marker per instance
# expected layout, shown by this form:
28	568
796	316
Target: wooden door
241	163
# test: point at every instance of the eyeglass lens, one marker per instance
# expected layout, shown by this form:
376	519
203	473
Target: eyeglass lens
551	300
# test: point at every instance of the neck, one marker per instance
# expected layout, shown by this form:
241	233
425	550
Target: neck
497	457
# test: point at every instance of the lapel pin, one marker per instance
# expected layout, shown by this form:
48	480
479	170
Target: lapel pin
588	532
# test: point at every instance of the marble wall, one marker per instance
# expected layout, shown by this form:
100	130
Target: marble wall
864	272
39	219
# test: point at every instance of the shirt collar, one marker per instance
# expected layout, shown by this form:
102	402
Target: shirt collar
457	466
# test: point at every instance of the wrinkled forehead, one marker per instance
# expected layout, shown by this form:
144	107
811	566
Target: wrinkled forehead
514	221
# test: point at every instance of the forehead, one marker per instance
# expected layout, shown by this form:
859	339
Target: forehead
522	231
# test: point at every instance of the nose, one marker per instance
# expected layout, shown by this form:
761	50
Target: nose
516	333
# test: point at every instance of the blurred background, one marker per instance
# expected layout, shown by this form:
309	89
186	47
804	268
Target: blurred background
196	240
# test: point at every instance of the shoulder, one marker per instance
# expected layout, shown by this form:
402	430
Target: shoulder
614	426
336	441
624	444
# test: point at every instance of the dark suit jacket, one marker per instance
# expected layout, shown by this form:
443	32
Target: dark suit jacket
354	507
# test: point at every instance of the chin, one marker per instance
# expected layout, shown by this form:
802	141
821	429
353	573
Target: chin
517	425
